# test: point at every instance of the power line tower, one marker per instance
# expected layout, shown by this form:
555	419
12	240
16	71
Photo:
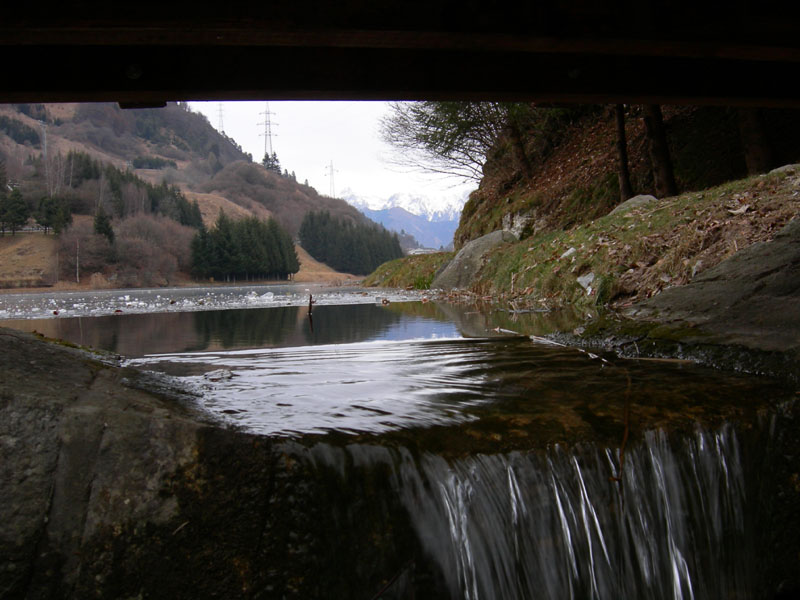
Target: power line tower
329	171
221	127
267	123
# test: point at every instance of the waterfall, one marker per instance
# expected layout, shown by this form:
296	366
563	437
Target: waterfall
555	525
678	523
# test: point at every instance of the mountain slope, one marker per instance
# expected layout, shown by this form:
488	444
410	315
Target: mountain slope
188	151
573	172
431	222
145	164
255	188
431	234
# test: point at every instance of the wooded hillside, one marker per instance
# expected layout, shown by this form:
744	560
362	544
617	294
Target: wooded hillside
711	181
146	179
558	167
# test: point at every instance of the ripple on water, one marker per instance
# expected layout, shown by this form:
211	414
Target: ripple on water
369	387
502	388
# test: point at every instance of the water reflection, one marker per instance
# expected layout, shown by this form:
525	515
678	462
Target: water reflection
363	369
246	328
135	335
460	394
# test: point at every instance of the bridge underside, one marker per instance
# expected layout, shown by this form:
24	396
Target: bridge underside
738	53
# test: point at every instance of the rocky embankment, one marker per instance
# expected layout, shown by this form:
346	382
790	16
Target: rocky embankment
743	314
711	276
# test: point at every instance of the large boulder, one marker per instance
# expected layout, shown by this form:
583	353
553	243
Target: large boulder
639	201
461	271
751	299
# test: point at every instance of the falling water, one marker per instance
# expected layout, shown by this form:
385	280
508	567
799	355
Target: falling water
556	524
406	461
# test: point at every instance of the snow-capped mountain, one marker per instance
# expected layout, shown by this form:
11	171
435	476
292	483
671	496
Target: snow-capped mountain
431	222
435	210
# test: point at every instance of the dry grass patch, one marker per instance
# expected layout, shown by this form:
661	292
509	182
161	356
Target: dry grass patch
27	259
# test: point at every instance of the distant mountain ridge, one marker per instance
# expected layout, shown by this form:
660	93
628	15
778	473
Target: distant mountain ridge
432	223
440	209
172	144
156	176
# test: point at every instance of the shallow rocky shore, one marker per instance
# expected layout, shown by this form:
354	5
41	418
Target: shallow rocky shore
743	314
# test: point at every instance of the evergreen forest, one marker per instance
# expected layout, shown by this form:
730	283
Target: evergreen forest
246	249
346	246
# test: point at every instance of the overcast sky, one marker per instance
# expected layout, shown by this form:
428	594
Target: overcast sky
308	136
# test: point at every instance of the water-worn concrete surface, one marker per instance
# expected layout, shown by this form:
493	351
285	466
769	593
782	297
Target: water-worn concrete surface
112	486
80	451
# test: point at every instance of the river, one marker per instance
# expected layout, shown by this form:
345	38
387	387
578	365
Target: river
522	468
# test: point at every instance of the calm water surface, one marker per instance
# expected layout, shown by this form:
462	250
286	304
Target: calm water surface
372	368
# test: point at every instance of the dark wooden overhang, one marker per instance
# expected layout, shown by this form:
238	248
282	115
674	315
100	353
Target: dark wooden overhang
734	53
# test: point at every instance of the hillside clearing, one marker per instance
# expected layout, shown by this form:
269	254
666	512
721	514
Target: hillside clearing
28	259
312	271
211	204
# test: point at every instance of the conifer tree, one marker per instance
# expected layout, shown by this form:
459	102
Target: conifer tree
47	212
102	225
14	211
346	246
247	249
272	163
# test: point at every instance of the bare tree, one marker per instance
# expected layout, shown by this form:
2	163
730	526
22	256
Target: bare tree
101	192
56	173
452	138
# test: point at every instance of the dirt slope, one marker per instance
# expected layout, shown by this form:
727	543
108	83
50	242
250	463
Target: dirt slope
27	259
313	271
211	204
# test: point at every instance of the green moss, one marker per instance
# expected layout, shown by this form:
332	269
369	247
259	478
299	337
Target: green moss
416	272
674	333
423	282
606	287
533	270
586	201
470	207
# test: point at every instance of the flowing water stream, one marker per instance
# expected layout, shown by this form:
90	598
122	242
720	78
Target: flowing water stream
523	469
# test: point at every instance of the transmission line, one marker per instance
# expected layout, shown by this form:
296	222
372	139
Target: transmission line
267	123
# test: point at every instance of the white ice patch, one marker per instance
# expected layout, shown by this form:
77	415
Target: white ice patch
109	302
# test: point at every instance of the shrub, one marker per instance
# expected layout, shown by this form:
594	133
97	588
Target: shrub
152	162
